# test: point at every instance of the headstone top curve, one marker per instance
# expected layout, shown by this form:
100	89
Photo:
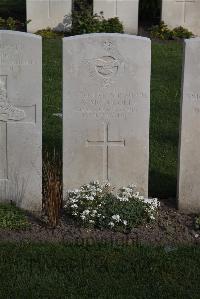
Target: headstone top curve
21	34
114	35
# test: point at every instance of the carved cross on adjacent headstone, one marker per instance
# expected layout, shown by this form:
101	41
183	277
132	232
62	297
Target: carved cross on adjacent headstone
8	113
106	143
185	6
49	8
116	8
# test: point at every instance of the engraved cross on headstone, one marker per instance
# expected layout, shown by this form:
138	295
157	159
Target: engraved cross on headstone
185	6
49	8
106	143
8	113
116	8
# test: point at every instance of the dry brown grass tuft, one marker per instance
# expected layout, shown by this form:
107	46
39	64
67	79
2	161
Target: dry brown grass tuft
52	188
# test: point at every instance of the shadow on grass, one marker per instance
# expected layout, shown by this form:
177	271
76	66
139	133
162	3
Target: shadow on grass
162	185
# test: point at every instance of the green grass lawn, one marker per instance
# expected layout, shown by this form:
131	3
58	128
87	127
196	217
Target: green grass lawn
165	114
12	217
66	271
165	99
52	94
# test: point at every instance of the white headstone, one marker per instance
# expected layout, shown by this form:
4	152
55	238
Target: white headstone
189	162
21	119
125	10
185	13
106	107
46	13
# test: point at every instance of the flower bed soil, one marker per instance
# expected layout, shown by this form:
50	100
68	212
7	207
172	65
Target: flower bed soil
170	228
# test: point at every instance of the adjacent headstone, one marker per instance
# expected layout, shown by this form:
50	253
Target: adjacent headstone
125	10
46	13
185	13
189	162
21	119
106	107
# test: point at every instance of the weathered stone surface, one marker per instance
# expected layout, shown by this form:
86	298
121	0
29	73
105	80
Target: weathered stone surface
106	103
125	10
21	119
189	162
184	13
46	13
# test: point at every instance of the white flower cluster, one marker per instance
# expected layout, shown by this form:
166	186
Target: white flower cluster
152	205
83	201
130	193
116	220
125	193
89	204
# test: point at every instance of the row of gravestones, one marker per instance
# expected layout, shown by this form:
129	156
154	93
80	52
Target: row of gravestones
106	109
49	13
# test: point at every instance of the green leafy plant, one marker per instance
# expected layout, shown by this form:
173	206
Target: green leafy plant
180	32
96	205
49	33
12	217
83	24
197	222
12	24
2	23
112	25
162	31
84	21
